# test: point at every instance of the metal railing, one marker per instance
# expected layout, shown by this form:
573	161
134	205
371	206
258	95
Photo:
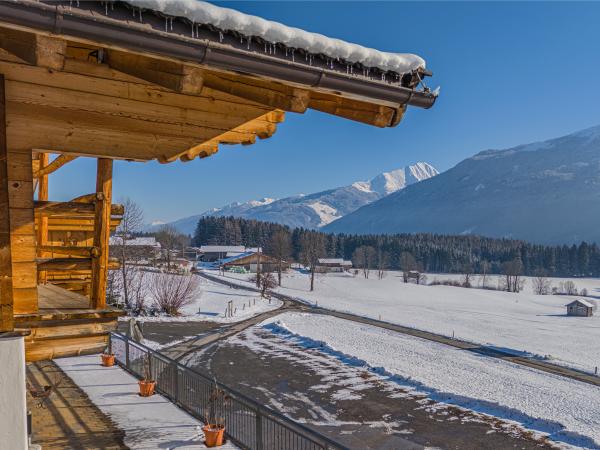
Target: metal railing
248	424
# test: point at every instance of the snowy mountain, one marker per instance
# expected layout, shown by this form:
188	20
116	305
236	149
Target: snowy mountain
321	208
547	192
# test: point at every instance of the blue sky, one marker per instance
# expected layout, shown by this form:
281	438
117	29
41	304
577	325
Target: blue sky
510	73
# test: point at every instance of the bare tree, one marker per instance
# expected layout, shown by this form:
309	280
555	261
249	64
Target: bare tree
512	275
568	288
265	281
137	291
408	263
132	221
172	292
280	248
313	248
541	283
485	269
467	270
170	240
364	258
383	262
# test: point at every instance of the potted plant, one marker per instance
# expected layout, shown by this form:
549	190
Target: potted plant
214	430
108	359
147	384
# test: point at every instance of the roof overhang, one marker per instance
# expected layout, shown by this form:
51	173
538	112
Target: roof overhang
115	26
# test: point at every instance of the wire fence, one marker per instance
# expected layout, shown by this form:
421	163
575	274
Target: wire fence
248	424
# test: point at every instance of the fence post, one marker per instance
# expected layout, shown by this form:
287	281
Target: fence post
110	343
126	351
176	383
259	434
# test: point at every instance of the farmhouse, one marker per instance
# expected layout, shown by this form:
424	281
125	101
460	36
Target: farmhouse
213	253
581	308
119	81
326	265
249	261
139	247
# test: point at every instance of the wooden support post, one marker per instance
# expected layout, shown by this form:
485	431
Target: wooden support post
17	250
42	221
101	232
6	287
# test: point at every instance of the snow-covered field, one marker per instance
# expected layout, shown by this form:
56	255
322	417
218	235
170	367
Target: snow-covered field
567	411
524	322
148	423
211	301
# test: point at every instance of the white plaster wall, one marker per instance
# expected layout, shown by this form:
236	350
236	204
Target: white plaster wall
13	407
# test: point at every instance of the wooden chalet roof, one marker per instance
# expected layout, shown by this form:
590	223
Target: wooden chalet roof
89	78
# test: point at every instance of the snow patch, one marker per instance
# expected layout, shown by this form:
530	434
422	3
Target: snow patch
325	212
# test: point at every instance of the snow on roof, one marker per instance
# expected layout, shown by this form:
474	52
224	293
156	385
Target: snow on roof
339	261
276	33
236	257
581	301
139	241
222	248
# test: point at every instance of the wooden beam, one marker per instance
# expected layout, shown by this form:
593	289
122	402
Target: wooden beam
83	252
171	75
42	221
46	169
75	264
35	49
6	285
285	98
101	232
59	208
86	198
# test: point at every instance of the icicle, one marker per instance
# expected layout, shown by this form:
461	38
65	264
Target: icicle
141	19
132	12
112	5
106	9
241	39
171	23
193	29
249	39
347	68
166	24
220	36
293	55
286	51
265	47
77	3
351	70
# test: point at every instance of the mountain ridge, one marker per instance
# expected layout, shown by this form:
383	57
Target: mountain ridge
546	192
317	209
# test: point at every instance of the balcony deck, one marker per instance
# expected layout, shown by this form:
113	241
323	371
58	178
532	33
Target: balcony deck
65	325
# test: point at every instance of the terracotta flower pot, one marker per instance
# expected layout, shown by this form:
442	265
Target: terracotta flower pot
108	360
147	387
213	435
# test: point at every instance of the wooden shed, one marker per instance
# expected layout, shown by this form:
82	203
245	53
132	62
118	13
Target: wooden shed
581	308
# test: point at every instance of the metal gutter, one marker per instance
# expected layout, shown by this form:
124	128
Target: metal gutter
64	19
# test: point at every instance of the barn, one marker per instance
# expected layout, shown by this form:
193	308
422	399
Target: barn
581	308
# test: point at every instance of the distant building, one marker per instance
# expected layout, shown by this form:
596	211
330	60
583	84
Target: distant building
327	265
139	247
581	308
249	262
212	253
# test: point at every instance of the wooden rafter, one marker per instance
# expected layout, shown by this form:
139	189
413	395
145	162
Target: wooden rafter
35	49
171	75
